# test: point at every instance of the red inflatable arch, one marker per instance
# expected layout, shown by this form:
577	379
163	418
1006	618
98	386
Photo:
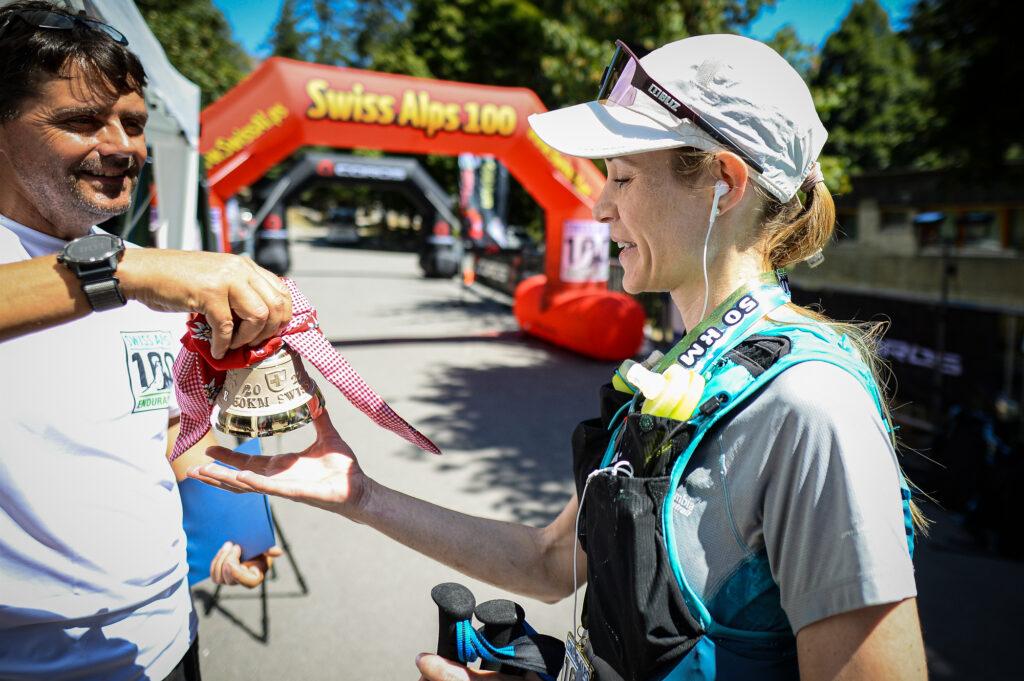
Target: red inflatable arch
286	104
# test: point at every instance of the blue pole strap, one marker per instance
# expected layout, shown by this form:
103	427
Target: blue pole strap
472	645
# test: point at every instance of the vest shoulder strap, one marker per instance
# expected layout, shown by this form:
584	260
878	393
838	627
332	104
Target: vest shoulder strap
759	352
732	381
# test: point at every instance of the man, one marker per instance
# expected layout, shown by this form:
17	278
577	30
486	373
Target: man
92	552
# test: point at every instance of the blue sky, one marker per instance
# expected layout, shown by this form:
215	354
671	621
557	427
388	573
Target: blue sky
812	19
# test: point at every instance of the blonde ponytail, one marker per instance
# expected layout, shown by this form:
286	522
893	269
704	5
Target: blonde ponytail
793	231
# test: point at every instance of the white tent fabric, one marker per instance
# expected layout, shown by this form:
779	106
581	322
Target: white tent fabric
173	128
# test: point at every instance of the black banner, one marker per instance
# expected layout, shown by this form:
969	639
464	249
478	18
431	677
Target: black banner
978	367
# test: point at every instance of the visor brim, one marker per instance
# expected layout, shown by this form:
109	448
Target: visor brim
592	130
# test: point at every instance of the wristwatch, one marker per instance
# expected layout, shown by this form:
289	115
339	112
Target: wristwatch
93	259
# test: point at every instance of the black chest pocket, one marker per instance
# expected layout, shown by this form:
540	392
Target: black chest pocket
634	612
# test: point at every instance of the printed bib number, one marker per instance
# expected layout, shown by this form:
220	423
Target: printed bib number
584	251
150	363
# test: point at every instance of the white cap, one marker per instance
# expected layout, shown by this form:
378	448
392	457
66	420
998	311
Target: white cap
740	86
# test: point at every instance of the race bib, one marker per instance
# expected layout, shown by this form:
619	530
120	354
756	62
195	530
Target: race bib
150	360
576	667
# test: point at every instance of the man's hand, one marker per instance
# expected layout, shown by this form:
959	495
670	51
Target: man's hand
244	303
325	475
228	568
437	668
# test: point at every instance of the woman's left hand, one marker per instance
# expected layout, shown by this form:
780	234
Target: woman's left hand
228	568
437	668
325	474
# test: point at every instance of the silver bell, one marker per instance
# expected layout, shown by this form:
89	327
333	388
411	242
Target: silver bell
269	398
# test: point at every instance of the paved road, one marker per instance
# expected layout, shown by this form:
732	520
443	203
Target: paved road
502	408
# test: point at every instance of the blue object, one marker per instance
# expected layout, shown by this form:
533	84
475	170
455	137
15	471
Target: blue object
929	218
213	516
472	645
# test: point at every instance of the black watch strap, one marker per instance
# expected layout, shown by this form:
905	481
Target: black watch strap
93	259
104	294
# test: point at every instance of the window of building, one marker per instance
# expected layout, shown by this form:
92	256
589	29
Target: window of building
894	219
979	229
929	226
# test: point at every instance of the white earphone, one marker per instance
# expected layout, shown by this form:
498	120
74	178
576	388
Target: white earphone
721	189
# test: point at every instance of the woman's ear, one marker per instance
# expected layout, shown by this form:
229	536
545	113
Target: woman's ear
729	168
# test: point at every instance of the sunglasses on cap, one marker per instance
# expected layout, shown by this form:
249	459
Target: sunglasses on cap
66	22
624	77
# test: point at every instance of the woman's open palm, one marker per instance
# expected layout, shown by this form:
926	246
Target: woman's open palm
325	474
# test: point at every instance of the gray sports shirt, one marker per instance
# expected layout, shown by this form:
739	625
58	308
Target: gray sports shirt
806	473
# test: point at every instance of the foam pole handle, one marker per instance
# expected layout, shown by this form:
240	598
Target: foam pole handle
455	603
503	623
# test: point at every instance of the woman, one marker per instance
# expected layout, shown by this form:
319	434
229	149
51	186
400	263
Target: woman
764	538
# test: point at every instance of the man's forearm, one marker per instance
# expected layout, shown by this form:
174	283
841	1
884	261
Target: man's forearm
37	294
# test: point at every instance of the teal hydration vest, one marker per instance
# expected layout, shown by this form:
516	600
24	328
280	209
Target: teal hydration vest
639	625
731	384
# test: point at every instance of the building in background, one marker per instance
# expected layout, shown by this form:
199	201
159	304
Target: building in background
896	228
940	256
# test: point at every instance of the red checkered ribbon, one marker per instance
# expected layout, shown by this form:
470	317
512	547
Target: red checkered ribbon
199	377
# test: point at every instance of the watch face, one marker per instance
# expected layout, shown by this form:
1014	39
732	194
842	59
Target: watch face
93	248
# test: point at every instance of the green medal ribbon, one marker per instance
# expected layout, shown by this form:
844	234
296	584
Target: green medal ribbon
728	324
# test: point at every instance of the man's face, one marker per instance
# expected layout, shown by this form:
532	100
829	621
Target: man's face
73	156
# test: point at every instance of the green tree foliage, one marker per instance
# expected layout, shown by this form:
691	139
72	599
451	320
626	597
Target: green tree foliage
479	41
286	39
801	55
327	47
557	48
334	32
198	42
968	53
579	35
377	26
868	93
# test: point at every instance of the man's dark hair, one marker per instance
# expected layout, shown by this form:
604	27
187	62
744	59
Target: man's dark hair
30	56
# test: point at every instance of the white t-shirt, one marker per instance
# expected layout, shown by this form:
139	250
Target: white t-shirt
92	551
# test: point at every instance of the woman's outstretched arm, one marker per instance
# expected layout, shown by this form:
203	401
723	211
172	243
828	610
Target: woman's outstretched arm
534	562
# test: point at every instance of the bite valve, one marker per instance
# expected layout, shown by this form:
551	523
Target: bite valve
673	394
619	381
648	382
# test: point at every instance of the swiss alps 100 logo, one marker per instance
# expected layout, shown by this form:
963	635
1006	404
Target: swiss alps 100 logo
150	359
